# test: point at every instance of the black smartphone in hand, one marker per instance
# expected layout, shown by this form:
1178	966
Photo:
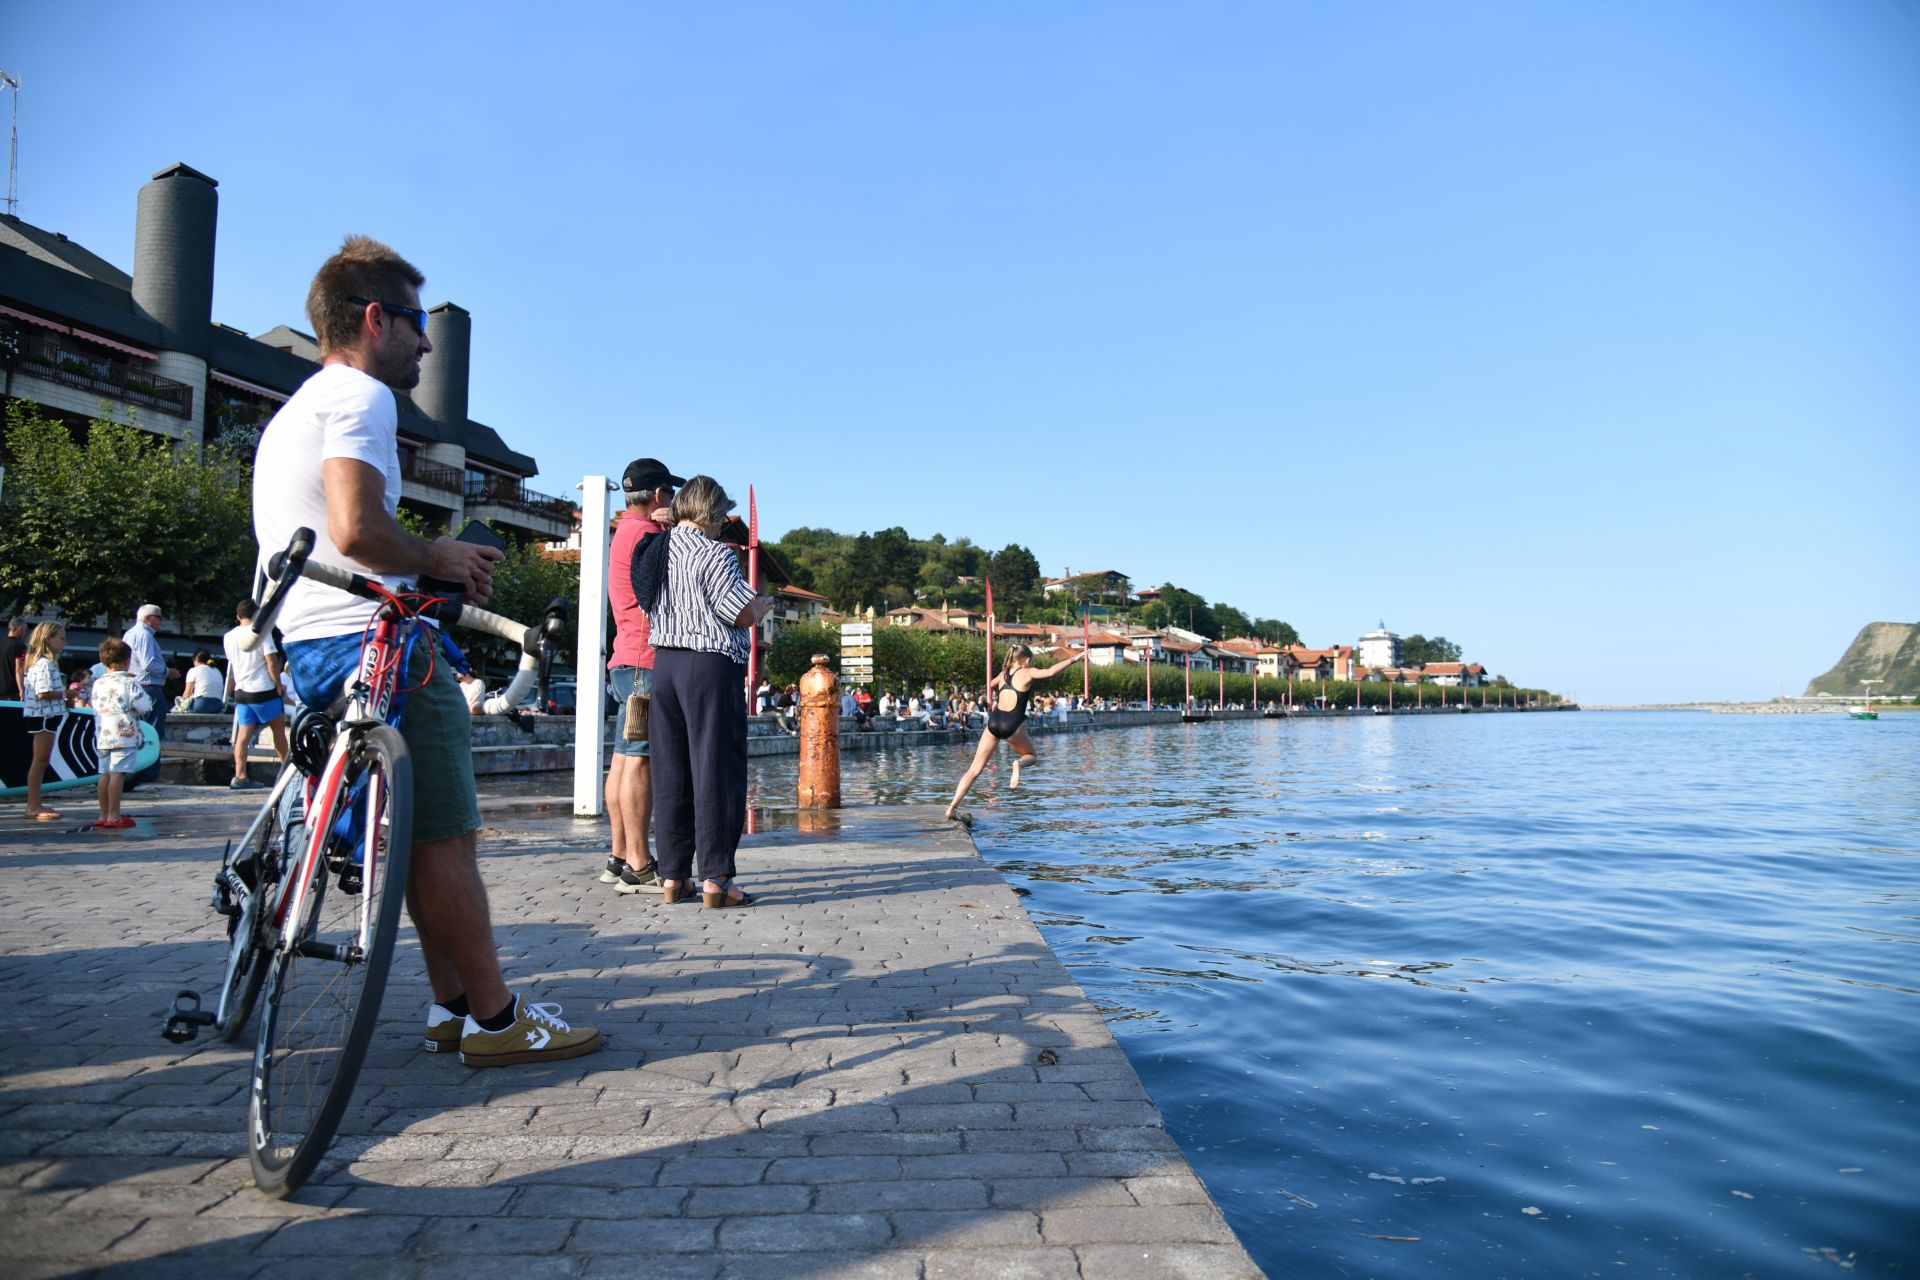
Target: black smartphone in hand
481	533
477	532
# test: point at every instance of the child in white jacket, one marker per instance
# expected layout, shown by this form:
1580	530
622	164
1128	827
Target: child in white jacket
119	704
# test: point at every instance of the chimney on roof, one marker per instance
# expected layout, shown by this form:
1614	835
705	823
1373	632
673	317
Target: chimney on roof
173	256
442	393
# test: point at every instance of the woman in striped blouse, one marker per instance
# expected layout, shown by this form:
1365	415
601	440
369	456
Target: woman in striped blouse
699	630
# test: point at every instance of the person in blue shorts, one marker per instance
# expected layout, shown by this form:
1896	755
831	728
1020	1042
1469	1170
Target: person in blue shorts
258	696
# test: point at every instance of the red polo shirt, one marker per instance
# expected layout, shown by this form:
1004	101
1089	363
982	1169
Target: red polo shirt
630	647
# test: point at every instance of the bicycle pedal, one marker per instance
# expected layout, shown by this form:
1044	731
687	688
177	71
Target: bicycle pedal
186	1018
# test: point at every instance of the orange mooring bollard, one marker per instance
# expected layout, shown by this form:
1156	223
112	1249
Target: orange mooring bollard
819	737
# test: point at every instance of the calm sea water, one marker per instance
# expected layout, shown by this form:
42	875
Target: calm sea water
1539	995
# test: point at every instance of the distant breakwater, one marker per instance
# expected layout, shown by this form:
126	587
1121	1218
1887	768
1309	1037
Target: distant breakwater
1791	707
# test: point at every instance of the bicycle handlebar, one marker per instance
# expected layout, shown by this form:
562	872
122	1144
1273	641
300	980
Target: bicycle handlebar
294	558
293	563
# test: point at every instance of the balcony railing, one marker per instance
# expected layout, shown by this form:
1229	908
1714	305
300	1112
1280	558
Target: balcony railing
425	474
43	355
500	491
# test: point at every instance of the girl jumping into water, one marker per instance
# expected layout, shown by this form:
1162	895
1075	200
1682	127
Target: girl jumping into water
1007	720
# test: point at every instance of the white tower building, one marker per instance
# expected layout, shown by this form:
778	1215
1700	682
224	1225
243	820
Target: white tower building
1379	648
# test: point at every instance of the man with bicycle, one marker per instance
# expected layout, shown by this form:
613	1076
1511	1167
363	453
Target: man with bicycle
329	461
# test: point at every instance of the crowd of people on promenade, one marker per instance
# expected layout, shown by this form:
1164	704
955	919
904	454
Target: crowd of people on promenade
683	609
129	683
959	709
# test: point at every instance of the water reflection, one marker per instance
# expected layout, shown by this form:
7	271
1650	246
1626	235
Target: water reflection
1395	983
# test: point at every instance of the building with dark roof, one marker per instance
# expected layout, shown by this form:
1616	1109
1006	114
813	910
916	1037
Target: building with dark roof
83	332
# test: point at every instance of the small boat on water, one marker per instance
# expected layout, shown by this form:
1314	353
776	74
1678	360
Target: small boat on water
1865	711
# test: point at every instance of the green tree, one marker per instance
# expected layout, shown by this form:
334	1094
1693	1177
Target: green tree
895	566
126	518
1016	578
1231	622
793	647
523	585
1182	608
1275	631
809	553
1417	651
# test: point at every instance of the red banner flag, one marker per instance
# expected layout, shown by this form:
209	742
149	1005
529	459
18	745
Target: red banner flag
753	580
989	633
1086	663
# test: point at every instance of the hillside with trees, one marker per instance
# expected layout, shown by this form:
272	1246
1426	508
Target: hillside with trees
891	569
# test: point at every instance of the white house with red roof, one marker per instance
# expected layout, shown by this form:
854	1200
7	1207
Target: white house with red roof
1106	649
1455	674
793	604
1310	664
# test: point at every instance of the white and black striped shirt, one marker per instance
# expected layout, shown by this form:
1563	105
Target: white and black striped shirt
704	592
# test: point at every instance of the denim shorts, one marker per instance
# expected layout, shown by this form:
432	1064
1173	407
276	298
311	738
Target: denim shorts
434	720
120	761
626	682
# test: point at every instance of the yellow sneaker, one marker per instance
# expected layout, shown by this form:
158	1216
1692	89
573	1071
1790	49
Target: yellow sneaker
443	1030
537	1035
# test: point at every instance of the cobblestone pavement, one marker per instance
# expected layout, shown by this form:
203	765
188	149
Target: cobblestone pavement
881	1070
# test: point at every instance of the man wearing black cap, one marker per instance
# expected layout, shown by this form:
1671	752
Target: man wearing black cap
649	488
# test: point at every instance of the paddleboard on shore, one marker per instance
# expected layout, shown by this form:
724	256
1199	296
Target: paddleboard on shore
75	761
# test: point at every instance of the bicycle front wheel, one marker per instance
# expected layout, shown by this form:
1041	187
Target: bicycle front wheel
323	992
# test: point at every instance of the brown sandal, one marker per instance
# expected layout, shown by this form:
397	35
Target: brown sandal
715	901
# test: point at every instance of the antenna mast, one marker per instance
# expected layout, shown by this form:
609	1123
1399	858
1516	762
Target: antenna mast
13	146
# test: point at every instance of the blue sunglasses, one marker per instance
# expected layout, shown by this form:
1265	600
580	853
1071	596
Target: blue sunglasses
415	314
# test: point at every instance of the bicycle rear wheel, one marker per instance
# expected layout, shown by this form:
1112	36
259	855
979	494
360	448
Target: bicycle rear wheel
323	992
271	856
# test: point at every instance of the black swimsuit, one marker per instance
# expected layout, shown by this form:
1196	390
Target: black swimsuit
1004	724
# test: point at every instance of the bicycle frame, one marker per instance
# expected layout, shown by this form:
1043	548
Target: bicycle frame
369	699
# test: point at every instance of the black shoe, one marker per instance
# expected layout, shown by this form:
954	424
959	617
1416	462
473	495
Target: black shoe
612	873
631	881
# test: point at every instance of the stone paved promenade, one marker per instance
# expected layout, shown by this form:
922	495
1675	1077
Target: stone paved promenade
879	1071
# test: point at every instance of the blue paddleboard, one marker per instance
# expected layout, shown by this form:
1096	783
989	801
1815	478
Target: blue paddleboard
75	761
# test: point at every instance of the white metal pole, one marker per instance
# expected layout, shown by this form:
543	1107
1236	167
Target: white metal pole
589	715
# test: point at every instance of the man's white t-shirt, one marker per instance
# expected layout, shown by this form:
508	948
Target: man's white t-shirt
339	412
248	670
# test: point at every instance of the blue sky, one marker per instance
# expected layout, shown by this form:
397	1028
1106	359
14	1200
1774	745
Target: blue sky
1584	335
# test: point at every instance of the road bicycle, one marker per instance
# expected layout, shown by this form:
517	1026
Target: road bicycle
311	893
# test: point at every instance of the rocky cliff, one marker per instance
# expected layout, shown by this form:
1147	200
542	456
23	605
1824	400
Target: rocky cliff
1888	651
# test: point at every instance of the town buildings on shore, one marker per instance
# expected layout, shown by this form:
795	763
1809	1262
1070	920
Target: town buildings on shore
81	337
1376	658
